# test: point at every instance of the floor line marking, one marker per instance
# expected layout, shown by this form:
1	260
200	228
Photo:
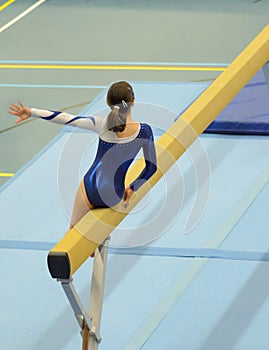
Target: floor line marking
150	251
44	86
6	174
20	16
109	67
118	63
6	4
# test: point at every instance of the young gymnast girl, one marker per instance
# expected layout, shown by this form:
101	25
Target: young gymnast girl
120	139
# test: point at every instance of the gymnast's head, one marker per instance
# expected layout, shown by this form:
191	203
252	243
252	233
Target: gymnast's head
120	98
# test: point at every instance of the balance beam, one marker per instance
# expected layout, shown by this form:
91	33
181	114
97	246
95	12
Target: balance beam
81	241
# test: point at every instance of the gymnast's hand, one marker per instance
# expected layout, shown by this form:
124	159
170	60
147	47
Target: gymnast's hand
127	195
20	111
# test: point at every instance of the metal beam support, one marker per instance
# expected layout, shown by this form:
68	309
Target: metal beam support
90	324
79	311
97	291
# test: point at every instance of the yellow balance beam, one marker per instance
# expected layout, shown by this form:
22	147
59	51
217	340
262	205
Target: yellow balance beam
80	242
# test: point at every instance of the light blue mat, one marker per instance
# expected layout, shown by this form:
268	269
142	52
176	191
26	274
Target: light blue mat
226	307
155	298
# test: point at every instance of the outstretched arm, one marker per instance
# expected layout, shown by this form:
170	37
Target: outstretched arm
62	118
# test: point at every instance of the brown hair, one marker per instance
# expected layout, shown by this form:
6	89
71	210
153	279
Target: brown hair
120	97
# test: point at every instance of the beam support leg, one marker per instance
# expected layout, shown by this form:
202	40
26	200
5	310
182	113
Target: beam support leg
97	291
90	324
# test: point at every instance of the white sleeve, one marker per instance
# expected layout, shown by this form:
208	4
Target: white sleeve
96	124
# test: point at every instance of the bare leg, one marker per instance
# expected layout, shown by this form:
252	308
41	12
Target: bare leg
81	205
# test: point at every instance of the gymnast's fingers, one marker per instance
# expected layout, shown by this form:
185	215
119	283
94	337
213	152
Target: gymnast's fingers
20	120
13	107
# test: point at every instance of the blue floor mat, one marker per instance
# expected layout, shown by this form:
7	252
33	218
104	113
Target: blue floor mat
248	113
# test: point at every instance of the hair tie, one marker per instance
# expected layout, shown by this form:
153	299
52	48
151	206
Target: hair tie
116	107
125	105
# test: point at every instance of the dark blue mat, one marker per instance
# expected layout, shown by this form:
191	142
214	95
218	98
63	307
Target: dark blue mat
248	113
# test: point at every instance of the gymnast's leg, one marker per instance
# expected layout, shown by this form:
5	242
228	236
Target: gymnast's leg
81	205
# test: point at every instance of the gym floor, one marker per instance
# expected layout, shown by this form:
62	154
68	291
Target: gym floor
61	55
107	31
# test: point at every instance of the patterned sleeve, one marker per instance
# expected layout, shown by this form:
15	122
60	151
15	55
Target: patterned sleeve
85	122
150	160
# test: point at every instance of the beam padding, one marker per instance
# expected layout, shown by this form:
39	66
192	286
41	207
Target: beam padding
80	242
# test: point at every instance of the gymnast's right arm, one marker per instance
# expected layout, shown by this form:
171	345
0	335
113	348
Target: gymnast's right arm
84	122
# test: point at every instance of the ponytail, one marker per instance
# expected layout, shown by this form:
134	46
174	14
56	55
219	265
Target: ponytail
120	98
116	121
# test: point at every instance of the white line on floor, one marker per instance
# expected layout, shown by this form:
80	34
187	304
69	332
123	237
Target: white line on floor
20	16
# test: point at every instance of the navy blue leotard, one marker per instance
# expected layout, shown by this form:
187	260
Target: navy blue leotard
105	180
